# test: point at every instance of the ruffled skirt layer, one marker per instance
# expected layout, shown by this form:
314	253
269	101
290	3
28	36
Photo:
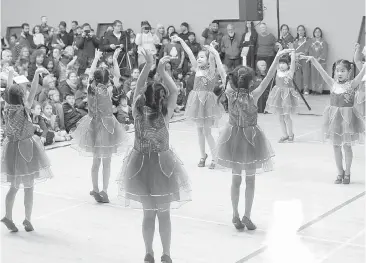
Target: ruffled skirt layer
155	181
244	148
24	163
282	101
343	125
100	137
203	109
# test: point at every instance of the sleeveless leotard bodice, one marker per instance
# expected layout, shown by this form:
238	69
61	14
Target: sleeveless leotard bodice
151	135
344	99
18	123
242	110
283	80
203	83
99	103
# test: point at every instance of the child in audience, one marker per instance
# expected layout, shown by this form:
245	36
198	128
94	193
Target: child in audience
50	124
81	101
175	51
71	114
54	99
21	66
134	76
123	112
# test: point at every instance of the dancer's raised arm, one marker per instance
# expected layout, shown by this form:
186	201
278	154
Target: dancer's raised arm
357	80
141	81
93	67
187	49
34	87
328	79
170	85
293	64
271	72
215	54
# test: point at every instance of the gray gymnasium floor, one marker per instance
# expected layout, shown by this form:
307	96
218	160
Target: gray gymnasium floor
298	195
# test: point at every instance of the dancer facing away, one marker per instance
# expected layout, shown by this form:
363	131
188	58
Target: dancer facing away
359	58
201	104
283	99
99	134
23	160
152	176
343	125
242	145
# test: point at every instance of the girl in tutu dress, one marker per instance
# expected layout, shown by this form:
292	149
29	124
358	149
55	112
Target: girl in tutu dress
242	145
99	134
283	99
360	93
23	159
201	104
152	176
343	125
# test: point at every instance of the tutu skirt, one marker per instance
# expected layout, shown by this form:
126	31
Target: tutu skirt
244	148
155	181
24	163
360	102
343	125
203	109
282	100
99	137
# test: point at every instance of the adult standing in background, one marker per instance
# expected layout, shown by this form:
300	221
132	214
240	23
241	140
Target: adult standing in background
319	50
212	33
286	39
230	46
248	45
115	39
44	27
301	46
266	45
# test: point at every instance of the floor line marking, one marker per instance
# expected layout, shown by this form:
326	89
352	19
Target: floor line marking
310	223
60	211
176	216
335	250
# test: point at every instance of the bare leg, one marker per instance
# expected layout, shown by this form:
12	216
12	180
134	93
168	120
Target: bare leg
288	122
348	156
211	141
338	159
283	125
165	230
235	191
249	192
106	173
201	142
148	230
94	173
9	202
28	202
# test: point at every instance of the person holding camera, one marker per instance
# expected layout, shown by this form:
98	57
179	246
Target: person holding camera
119	39
86	44
146	40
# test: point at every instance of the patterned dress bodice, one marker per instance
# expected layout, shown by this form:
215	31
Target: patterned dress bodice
344	99
151	134
284	80
18	123
242	110
100	103
203	83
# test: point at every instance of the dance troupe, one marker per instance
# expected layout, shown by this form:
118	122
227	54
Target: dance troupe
152	176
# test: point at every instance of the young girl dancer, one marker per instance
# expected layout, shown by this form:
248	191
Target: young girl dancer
283	99
23	159
99	134
152	176
201	105
242	145
342	124
360	93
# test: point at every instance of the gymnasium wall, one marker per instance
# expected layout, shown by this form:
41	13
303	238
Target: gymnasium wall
339	20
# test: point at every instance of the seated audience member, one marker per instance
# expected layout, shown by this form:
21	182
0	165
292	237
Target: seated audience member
54	99
81	100
69	86
123	112
71	114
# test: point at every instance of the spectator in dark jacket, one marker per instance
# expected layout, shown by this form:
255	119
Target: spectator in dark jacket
86	45
26	39
115	39
212	33
192	43
71	114
64	36
69	86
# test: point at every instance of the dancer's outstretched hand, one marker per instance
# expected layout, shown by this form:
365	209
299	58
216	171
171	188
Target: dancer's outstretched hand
177	39
116	53
147	55
307	58
285	51
98	54
162	63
